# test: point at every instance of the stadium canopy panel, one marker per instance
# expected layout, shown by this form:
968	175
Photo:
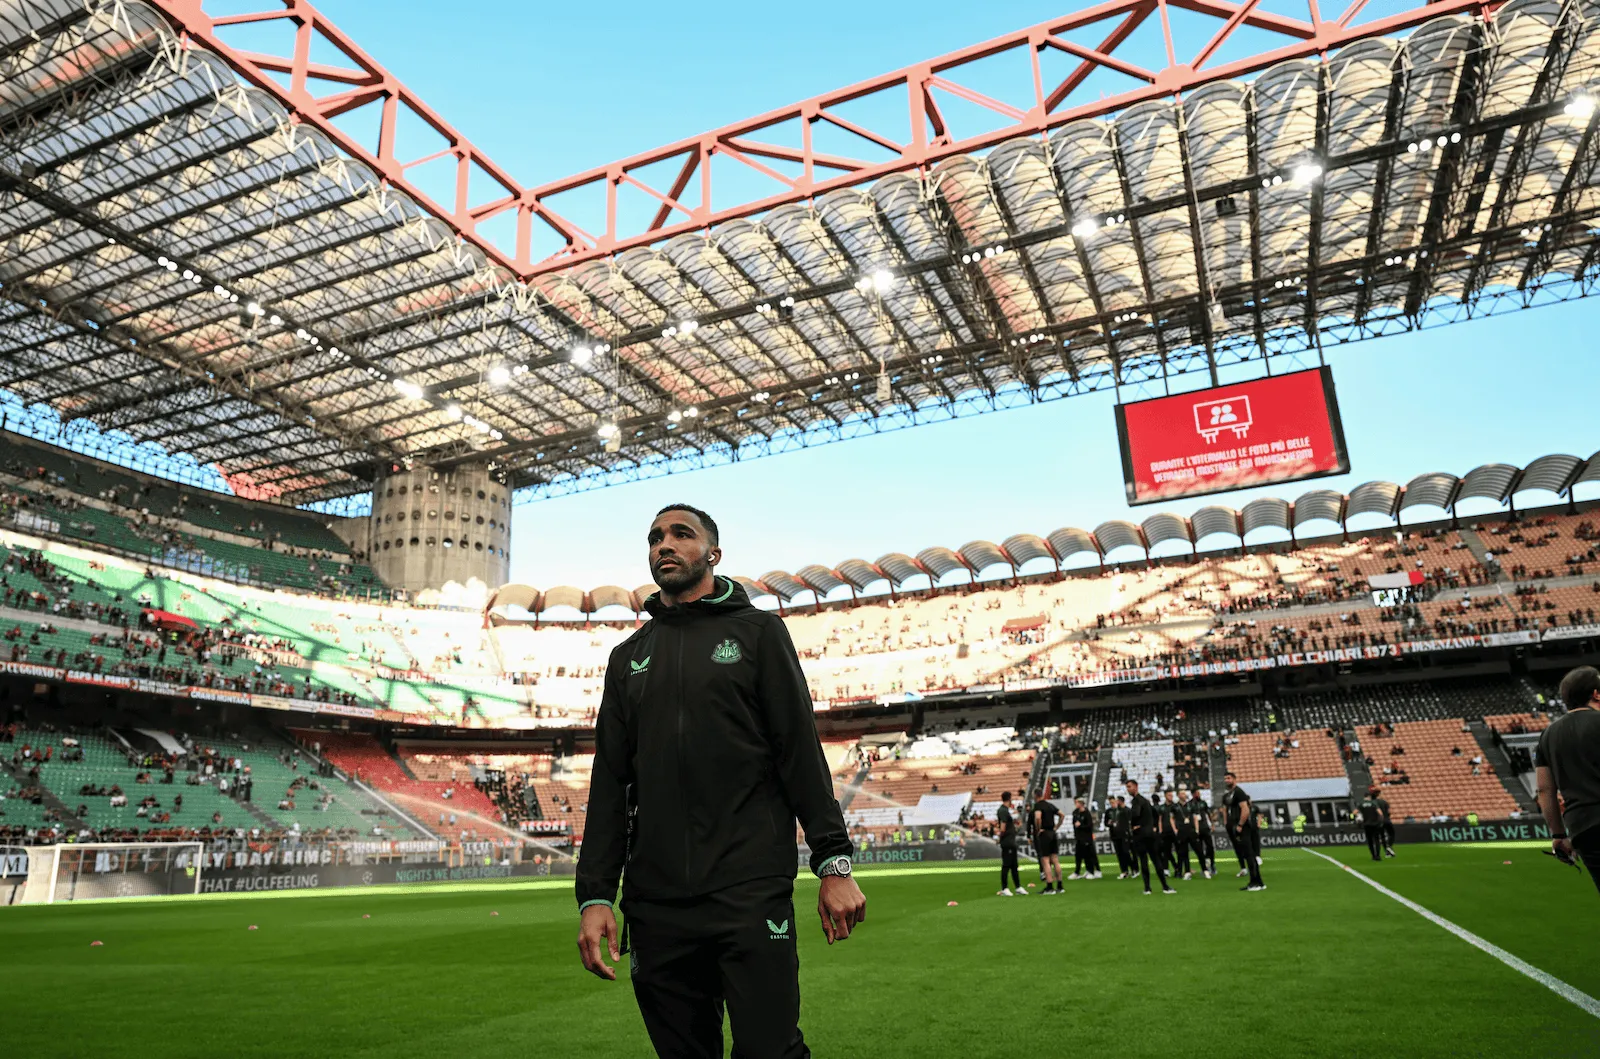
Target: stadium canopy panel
195	255
1263	512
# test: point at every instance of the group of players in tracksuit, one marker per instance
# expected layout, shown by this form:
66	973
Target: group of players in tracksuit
1162	834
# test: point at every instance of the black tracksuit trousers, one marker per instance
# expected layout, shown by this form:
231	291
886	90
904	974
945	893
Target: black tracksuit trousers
1008	864
733	948
1249	842
1374	840
1086	859
1206	851
1126	865
1180	852
1147	850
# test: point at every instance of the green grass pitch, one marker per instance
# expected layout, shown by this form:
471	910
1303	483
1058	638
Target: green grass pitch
1318	965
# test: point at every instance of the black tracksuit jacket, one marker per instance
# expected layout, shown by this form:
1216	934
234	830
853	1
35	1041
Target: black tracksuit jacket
706	734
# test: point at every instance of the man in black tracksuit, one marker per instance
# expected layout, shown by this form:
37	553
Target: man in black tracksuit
1388	825
1183	842
1244	830
1086	859
1168	834
1008	848
1142	824
1372	822
706	751
1116	821
1205	846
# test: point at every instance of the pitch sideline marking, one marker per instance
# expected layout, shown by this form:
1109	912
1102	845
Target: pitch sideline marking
1549	981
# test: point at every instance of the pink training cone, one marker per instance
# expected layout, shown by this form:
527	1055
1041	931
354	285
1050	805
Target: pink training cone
951	904
252	926
494	913
367	915
92	944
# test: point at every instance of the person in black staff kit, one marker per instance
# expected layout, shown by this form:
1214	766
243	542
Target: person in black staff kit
1372	822
1008	849
1183	820
1205	846
1245	830
1085	858
1568	766
1168	834
1388	824
706	751
1046	818
1142	826
1116	821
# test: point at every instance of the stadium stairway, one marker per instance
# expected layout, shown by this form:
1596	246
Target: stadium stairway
1219	769
1102	778
1356	769
19	776
1479	550
1502	767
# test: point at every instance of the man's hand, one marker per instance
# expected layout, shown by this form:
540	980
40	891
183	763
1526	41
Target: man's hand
840	905
1563	849
598	922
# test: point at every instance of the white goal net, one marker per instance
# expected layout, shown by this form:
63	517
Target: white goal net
95	870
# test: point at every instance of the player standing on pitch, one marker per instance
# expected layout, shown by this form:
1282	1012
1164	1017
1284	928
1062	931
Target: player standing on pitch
1205	847
1244	829
706	751
1008	849
1047	842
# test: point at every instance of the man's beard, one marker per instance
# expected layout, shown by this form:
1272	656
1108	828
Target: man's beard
679	577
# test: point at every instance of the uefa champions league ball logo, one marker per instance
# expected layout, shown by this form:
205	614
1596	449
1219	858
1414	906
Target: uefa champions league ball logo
125	888
959	853
366	878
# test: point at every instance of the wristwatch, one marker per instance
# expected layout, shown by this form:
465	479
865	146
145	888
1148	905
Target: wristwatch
837	866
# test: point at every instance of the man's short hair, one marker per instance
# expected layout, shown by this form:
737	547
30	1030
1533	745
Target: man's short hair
1235	775
705	520
1578	687
1006	797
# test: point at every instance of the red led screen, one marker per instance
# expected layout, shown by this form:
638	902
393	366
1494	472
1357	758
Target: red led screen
1278	429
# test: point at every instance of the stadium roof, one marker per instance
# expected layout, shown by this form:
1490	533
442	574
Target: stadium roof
194	253
1384	500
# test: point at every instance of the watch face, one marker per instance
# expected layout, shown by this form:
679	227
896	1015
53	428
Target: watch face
840	866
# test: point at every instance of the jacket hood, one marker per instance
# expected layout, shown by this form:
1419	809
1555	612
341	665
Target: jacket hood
727	595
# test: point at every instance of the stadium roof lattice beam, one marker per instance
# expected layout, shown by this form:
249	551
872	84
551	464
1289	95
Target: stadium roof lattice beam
1067	245
360	82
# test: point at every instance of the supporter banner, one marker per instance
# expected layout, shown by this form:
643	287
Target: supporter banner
546	827
102	680
30	669
159	687
242	698
1572	632
273	702
343	710
250	880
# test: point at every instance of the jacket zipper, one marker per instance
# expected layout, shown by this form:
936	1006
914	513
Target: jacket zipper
683	774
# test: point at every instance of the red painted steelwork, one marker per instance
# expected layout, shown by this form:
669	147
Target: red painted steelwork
932	132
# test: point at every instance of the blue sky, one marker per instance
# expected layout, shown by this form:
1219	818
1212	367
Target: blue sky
548	90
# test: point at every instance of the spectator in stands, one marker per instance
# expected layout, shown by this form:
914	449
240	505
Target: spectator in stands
1568	767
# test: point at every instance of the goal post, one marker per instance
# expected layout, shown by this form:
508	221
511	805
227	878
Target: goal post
86	871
